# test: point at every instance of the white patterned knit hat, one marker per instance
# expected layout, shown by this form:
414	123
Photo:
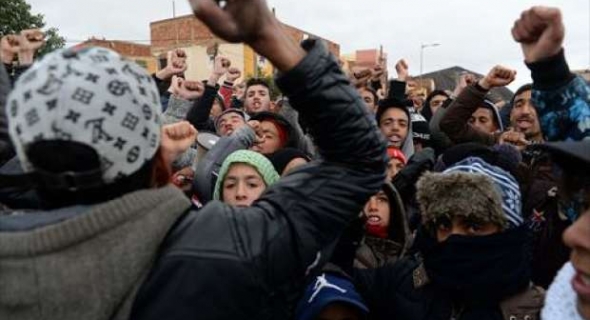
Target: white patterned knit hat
90	96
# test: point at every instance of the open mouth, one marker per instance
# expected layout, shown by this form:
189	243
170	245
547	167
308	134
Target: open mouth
581	285
524	123
395	139
374	220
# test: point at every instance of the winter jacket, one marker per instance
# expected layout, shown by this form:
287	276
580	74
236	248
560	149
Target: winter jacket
198	115
404	292
304	142
562	100
377	252
83	262
224	262
439	141
455	121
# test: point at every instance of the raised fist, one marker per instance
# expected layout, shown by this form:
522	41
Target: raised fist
9	48
177	138
31	40
233	74
237	21
186	89
499	76
221	65
540	32
402	69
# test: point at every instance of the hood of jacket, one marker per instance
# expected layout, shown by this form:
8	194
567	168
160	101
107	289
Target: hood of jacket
377	252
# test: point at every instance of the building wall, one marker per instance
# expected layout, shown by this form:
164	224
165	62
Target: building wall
139	53
186	31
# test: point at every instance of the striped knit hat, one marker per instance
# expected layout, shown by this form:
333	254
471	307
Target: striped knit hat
473	188
254	159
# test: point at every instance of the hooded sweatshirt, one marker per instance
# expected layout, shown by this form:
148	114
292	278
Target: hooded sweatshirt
376	252
48	259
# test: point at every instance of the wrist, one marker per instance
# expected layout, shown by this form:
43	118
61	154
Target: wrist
213	79
164	74
7	57
552	72
282	51
483	85
26	58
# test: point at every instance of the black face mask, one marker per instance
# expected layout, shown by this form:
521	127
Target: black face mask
480	269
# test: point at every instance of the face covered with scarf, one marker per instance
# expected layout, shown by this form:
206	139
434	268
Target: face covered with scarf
472	236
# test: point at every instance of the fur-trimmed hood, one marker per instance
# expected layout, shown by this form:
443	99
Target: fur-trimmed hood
459	194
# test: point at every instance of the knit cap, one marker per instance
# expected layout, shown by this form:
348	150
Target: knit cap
420	127
91	96
471	188
395	153
259	162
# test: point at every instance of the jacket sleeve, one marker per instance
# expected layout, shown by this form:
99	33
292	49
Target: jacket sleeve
243	261
455	123
198	115
397	89
562	100
305	212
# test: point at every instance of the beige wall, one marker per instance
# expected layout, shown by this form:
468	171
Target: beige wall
199	64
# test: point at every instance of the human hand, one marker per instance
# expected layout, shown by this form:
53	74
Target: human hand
9	48
175	65
402	69
499	76
233	74
360	77
177	138
31	40
377	73
255	125
243	21
466	79
514	138
186	89
540	32
252	22
220	66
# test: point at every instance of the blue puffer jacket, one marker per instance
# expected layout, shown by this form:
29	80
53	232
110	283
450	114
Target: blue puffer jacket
562	100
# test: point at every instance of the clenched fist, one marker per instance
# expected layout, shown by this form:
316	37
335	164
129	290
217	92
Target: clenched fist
499	76
540	32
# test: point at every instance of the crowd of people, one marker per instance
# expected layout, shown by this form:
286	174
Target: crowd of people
350	196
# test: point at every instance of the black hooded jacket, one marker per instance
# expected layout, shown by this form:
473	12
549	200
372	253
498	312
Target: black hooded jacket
224	262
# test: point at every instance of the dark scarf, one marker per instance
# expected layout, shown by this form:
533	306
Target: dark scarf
478	269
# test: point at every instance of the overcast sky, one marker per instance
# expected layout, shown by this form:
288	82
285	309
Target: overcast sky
474	34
